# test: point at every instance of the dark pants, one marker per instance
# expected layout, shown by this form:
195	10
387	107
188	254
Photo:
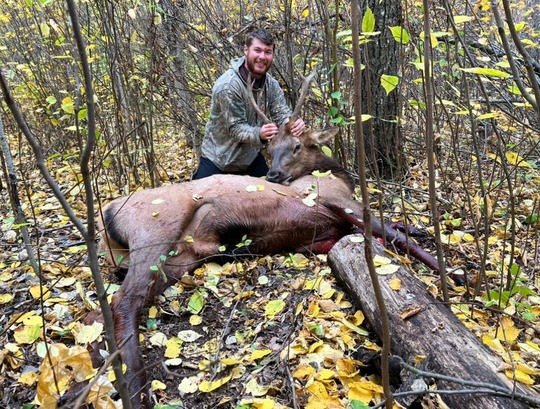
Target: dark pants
207	168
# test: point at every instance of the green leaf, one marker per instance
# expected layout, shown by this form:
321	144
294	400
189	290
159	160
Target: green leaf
368	22
529	316
82	114
68	105
319	174
490	72
356	404
273	308
462	19
400	34
333	111
389	82
327	151
196	302
344	33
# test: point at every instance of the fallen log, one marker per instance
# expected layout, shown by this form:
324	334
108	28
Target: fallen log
433	332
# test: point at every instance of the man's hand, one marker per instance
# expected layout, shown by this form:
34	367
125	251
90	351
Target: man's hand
298	127
268	131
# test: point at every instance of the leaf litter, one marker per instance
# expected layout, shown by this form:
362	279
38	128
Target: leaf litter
247	333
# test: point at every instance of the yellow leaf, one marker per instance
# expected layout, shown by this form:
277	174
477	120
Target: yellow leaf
325	374
315	402
27	334
364	391
450	238
387	269
189	385
254	389
309	200
89	333
158	385
5	298
36	292
313	347
195	320
159	339
359	317
492	342
173	347
28	378
189	335
273	308
381	261
206	386
507	330
395	284
259	353
314	309
259	403
520	376
514	159
318	390
530	347
355	328
462	19
356	239
230	361
297	260
304	372
152	312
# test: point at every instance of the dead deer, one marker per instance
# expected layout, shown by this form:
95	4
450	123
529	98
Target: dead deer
165	233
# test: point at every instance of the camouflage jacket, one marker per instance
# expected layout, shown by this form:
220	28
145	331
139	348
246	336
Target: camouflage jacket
231	139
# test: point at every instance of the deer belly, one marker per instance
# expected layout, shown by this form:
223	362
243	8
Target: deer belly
280	225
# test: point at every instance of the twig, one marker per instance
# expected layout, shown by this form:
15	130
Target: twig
486	387
439	392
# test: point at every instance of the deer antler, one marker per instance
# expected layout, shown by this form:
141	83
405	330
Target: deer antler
303	94
251	98
301	99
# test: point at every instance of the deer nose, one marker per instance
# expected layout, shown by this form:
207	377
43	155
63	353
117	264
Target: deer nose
273	176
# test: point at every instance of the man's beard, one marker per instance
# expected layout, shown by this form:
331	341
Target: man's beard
251	65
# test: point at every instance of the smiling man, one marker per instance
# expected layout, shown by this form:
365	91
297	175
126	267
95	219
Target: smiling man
235	133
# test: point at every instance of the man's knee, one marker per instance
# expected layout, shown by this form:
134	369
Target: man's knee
206	168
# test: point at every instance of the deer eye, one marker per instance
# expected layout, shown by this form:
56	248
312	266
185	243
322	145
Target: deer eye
297	148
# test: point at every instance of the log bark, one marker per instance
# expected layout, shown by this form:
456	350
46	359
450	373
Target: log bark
434	332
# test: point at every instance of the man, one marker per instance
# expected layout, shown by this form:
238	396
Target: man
235	133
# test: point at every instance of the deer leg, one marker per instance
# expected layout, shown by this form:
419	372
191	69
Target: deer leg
394	236
141	285
138	290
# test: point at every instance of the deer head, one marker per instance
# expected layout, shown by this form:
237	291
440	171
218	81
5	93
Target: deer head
296	156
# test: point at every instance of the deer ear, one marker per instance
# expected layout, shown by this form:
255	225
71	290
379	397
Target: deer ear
325	135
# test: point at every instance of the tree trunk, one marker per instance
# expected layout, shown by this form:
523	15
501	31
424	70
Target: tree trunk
383	137
434	332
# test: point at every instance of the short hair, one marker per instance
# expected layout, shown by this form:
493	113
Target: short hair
262	35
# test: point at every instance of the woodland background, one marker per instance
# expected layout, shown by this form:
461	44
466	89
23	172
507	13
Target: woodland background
452	146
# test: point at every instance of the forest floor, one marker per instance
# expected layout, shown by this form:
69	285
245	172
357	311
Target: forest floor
270	332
